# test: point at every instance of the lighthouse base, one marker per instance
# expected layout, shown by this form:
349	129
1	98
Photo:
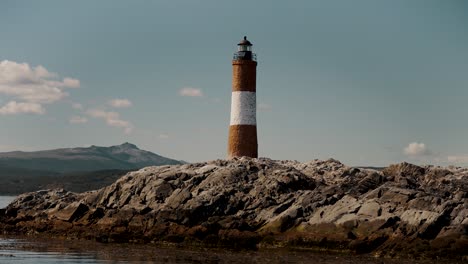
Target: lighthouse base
242	141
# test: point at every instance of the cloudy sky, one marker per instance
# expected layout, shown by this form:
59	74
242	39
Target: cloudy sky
368	82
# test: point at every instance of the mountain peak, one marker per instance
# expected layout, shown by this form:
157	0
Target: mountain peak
127	145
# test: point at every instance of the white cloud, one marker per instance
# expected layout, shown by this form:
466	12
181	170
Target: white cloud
128	130
192	92
458	159
12	108
120	103
112	119
264	106
8	148
163	136
32	86
71	83
415	149
77	106
78	120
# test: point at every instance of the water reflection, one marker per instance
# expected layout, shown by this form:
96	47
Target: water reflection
14	250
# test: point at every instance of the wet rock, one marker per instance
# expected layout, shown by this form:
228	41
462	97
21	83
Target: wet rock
72	212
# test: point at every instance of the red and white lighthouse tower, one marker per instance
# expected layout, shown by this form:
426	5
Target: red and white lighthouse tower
243	126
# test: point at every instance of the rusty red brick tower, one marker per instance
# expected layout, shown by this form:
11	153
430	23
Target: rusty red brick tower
243	126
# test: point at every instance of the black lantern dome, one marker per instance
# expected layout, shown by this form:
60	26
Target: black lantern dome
244	43
244	51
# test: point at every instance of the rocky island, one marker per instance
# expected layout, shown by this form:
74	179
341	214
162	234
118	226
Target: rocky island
403	210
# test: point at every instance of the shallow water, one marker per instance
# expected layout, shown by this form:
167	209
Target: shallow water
28	251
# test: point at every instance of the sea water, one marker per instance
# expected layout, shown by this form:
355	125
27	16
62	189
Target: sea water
44	251
6	200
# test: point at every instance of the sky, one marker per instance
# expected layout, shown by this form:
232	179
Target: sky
366	82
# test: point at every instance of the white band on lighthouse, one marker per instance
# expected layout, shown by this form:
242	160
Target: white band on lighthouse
243	108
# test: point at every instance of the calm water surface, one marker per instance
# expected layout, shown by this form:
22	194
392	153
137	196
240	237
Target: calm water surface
5	200
37	251
60	251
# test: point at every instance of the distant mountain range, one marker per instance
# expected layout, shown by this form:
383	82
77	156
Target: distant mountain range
77	169
122	157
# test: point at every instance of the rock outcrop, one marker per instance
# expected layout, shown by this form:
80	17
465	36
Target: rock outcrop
404	210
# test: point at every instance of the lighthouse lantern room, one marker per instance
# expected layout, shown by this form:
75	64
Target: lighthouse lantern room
244	51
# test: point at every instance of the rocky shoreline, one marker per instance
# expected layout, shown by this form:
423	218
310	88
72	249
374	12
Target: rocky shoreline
402	211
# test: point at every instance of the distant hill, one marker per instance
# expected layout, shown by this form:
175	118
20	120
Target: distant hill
75	169
122	157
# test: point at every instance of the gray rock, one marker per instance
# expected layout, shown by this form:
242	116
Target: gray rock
73	211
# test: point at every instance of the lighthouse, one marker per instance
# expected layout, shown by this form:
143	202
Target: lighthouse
243	124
